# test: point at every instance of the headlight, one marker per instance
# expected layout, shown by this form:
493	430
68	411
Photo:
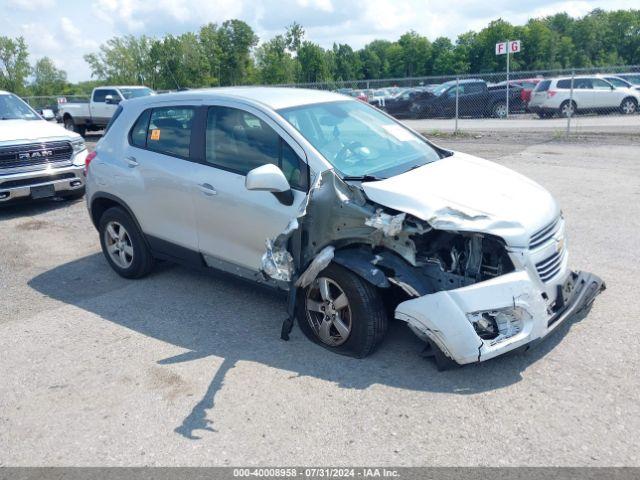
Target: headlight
500	324
78	146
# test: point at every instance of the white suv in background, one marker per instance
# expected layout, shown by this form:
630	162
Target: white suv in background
590	93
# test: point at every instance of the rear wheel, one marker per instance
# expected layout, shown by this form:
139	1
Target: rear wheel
70	125
567	109
123	244
629	106
342	312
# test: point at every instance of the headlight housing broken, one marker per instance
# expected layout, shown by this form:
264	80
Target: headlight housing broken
499	324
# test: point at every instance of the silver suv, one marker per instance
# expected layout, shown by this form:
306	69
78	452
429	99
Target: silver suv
351	212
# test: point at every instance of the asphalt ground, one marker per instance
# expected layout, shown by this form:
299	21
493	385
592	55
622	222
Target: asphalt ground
185	368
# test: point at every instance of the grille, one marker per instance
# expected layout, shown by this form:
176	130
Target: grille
544	235
550	266
35	154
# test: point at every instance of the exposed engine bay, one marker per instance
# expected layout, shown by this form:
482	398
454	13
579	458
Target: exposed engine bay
391	250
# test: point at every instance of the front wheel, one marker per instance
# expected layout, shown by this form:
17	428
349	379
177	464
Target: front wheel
342	312
499	110
628	106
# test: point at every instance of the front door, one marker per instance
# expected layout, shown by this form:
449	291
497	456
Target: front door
101	111
233	222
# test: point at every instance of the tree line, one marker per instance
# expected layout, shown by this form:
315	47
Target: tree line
230	54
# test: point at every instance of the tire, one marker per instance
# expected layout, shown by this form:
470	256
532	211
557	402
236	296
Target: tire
567	109
499	110
629	106
70	124
364	316
137	260
75	195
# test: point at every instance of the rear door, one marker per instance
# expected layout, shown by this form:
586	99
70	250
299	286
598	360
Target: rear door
583	93
233	222
604	95
159	161
101	111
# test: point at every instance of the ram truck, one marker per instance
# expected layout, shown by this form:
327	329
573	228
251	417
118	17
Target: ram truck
474	99
38	159
95	114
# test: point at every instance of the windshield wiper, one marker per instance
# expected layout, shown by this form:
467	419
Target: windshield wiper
367	177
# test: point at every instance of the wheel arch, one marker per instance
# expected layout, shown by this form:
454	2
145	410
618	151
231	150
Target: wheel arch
102	201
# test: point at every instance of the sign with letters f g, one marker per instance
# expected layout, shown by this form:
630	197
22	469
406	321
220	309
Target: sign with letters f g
512	46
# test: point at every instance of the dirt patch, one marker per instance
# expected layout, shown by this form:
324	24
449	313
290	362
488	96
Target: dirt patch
31	225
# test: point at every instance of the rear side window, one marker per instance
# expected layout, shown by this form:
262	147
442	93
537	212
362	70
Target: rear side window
239	141
564	84
169	130
474	88
543	86
138	136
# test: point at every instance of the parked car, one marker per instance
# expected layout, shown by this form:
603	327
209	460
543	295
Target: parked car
633	78
475	99
618	82
95	115
400	105
590	94
524	85
38	159
359	214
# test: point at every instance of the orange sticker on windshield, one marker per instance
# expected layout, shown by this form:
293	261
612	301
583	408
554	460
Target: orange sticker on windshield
155	134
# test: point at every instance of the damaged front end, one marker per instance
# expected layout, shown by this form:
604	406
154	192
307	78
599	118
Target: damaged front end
465	292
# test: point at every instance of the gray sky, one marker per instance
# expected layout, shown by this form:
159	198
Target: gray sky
67	29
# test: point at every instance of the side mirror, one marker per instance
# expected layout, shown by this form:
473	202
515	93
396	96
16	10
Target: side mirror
48	114
269	178
111	100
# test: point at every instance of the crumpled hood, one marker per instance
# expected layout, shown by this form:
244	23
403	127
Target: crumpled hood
466	193
28	130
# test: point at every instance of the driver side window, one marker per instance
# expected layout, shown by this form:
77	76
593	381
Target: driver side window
239	141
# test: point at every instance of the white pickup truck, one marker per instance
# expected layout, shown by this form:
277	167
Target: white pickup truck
38	159
95	115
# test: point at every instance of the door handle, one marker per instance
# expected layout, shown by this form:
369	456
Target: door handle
207	189
132	162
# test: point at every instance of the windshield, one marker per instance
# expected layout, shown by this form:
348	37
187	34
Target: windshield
128	93
358	140
12	108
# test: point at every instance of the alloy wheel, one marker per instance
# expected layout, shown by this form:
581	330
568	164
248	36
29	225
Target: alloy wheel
567	110
628	107
118	244
501	110
328	311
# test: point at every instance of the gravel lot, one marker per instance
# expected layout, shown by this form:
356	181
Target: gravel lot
184	368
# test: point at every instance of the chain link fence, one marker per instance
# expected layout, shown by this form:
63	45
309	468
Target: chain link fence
559	102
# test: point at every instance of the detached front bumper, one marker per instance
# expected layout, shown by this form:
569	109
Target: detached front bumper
445	318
